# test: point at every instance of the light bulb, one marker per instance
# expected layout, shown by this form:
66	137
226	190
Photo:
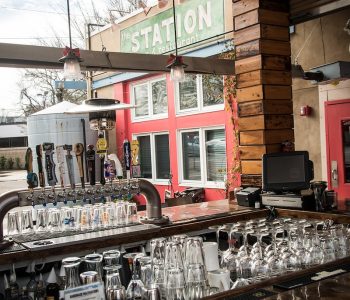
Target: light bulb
177	73
72	69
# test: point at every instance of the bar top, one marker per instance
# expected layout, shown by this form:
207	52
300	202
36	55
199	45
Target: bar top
203	210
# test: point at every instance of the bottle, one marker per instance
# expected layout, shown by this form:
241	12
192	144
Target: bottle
40	294
52	288
7	288
14	289
32	285
25	295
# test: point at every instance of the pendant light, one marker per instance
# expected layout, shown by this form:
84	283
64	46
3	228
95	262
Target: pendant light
71	58
175	62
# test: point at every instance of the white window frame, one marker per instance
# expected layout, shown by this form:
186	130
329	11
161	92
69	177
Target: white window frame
200	105
152	135
150	115
203	161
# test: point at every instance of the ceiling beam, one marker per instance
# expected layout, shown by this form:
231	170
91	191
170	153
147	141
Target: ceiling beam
27	56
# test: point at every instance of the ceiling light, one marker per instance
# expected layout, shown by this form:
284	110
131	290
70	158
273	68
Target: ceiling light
71	58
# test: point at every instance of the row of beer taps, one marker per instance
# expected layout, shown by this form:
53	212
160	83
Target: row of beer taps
112	186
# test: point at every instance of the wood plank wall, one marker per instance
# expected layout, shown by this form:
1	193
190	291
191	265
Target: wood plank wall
264	81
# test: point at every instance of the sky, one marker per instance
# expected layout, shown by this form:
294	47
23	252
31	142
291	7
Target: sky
23	22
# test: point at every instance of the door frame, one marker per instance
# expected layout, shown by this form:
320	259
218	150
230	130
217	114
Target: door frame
326	105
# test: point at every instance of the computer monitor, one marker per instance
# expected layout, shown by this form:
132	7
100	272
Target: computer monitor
287	171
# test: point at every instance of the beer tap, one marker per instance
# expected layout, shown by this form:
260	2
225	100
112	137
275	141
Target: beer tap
62	172
70	168
32	178
79	153
91	166
127	161
50	169
101	147
118	171
39	153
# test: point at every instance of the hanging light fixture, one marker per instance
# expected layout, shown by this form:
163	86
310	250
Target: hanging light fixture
175	62
71	58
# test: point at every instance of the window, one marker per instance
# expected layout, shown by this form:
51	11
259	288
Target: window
203	156
154	156
14	142
200	93
151	100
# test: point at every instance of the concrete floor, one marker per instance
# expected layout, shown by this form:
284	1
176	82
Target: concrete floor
12	180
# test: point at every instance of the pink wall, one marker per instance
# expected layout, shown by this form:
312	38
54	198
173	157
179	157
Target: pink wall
125	128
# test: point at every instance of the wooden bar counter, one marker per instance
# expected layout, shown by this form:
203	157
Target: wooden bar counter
195	218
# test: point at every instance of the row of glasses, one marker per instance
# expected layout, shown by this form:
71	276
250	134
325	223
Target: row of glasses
76	218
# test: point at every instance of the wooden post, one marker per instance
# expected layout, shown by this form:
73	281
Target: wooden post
264	92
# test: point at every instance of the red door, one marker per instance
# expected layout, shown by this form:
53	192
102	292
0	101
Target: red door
337	114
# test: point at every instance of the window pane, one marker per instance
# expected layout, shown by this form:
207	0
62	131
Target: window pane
141	100
346	149
191	156
188	92
159	97
162	156
19	141
145	156
213	90
215	144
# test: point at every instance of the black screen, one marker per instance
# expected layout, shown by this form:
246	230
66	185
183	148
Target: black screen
285	169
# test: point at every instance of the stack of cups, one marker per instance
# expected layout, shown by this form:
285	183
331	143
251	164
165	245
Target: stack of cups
219	279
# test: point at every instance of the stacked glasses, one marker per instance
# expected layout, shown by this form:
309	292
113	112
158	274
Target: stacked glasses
281	246
178	268
76	218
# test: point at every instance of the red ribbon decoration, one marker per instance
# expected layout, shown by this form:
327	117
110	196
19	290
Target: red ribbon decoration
173	57
74	51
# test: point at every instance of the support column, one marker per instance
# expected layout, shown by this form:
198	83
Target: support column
263	73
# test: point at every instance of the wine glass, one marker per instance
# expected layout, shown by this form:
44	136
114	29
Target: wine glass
136	286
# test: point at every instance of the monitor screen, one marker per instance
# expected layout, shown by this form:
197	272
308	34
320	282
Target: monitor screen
287	171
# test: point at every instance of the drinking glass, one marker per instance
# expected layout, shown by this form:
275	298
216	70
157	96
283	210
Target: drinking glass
67	218
145	270
76	217
151	293
158	278
158	250
194	251
41	220
116	293
131	213
136	286
97	216
173	255
89	277
112	278
71	269
111	257
175	284
85	219
13	223
27	222
121	213
196	284
93	262
54	220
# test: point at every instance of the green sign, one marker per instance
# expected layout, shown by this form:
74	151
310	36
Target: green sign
195	20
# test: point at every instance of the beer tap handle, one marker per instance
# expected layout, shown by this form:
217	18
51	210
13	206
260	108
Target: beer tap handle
39	153
70	166
61	168
32	178
102	170
127	158
50	165
90	158
79	152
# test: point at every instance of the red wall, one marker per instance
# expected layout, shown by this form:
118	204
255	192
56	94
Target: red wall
125	129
